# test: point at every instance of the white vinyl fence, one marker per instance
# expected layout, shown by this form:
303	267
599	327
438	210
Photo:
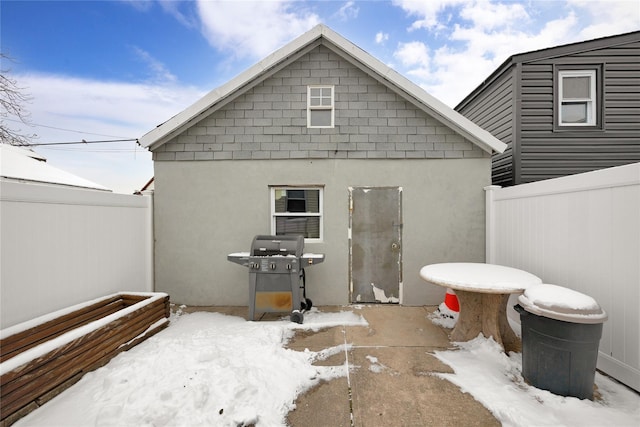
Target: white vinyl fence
61	246
581	232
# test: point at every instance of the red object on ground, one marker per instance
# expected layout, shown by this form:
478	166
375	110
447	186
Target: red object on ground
451	301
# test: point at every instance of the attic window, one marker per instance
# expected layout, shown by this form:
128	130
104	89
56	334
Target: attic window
320	111
577	98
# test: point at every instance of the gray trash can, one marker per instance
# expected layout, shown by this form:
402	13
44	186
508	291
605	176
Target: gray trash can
561	331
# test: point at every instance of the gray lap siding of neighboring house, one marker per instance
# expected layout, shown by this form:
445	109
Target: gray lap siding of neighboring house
517	105
495	112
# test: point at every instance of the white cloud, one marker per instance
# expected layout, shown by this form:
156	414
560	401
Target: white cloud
413	53
427	11
487	32
456	73
173	8
608	17
381	37
348	11
99	110
141	5
487	15
115	107
159	72
253	29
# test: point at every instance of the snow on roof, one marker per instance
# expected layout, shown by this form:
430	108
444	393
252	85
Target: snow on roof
322	34
23	164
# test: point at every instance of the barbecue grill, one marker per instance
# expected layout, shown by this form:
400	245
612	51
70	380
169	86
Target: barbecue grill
276	274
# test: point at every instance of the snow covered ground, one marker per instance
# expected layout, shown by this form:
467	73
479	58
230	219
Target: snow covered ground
494	379
210	369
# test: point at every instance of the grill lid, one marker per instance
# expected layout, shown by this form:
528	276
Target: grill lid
266	245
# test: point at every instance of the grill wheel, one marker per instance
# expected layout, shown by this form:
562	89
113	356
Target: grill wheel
306	304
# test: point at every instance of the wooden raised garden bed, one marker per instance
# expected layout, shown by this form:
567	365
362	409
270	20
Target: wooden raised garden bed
42	357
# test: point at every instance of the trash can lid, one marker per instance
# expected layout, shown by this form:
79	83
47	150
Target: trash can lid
557	302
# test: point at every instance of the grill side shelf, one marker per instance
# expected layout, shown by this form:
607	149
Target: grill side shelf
311	259
241	258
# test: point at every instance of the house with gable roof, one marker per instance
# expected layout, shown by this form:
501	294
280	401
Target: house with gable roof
563	110
320	139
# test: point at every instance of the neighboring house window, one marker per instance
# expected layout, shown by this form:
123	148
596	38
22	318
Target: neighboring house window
577	104
297	210
320	111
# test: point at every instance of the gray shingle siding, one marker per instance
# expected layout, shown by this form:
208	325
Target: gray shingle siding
269	121
537	147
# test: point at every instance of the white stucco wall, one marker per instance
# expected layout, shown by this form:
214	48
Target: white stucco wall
205	210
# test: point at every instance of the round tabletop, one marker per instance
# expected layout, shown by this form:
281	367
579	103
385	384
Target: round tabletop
479	277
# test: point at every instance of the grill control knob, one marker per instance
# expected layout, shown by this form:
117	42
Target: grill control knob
272	266
288	266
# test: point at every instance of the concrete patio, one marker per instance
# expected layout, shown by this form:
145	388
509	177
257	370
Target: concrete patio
390	381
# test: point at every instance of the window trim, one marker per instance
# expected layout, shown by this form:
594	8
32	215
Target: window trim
319	214
593	102
311	108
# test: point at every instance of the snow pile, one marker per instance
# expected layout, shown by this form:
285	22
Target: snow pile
204	369
552	295
560	303
316	320
483	370
444	316
377	367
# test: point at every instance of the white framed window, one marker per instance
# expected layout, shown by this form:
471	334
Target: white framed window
577	98
320	110
297	210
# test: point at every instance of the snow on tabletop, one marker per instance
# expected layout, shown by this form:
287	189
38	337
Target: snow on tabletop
205	369
478	277
50	345
494	378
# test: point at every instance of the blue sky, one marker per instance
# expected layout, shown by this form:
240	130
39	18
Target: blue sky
115	69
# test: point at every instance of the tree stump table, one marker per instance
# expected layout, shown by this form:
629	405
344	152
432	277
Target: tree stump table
483	291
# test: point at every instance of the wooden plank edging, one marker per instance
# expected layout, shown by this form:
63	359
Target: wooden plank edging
34	370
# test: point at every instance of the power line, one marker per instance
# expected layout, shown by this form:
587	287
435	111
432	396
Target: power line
63	129
91	150
106	141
